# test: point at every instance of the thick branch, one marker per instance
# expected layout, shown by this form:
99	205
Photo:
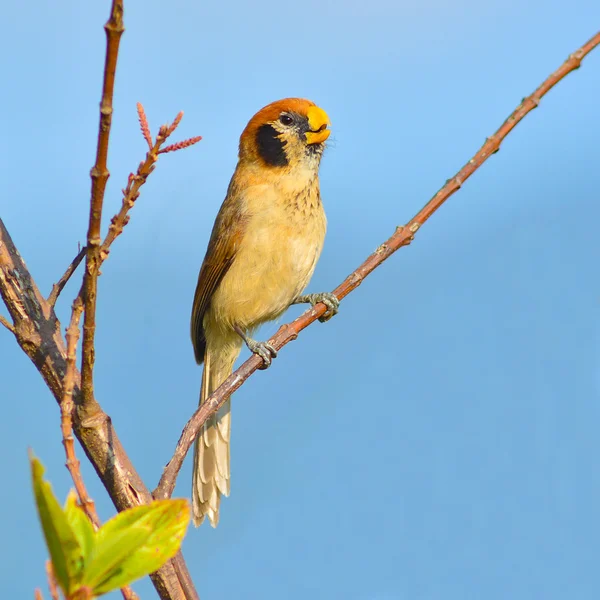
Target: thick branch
37	330
402	237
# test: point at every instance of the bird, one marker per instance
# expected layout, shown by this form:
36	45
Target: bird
262	252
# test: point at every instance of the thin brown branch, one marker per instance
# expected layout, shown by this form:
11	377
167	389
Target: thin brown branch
144	125
38	594
58	287
114	29
401	237
7	324
52	585
129	594
130	195
66	415
38	333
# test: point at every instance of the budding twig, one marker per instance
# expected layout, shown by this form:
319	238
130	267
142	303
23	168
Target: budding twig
144	125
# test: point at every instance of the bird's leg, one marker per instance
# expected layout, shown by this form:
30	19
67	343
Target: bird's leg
262	349
327	298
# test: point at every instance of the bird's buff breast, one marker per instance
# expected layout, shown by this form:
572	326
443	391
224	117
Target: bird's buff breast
282	243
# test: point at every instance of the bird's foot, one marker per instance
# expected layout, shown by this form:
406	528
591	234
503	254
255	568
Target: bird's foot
327	298
262	349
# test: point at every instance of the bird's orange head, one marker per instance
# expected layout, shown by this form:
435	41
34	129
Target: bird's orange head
286	134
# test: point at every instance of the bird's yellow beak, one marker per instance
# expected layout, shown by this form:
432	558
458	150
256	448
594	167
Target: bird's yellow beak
317	121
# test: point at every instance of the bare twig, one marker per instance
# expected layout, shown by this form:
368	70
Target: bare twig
66	415
52	585
137	180
129	594
114	29
57	288
38	594
7	324
131	193
402	237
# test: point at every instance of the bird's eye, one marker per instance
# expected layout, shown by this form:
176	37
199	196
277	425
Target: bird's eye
286	119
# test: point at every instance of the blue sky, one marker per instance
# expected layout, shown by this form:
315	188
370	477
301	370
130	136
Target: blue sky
435	441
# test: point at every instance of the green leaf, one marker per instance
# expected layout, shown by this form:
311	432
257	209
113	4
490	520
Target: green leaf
160	526
63	547
109	555
80	525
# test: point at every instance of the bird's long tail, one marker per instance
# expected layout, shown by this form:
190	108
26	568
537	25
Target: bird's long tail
211	476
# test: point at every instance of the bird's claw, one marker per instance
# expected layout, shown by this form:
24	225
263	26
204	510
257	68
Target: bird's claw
264	350
327	298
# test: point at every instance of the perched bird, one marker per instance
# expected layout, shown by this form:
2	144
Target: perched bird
262	252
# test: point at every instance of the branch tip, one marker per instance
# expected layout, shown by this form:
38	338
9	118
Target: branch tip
175	123
181	145
4	321
58	287
144	124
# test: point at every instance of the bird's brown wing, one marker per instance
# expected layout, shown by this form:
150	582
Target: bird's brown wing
224	243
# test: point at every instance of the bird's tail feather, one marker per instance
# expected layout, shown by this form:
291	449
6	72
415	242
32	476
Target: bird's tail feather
211	475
